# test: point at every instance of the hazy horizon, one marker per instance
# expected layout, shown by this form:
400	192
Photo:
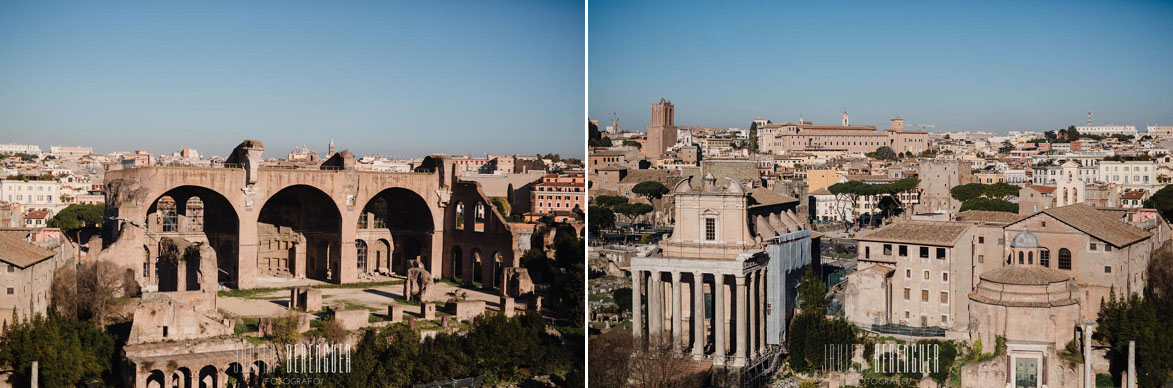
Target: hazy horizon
996	67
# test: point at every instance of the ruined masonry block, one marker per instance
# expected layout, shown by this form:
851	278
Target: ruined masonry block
428	311
352	319
508	306
395	313
467	309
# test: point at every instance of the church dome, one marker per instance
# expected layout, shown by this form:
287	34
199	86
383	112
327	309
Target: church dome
1025	239
1026	286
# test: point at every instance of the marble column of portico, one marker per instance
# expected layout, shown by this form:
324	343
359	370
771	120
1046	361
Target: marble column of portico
762	301
752	317
655	307
719	319
677	323
636	308
739	356
698	315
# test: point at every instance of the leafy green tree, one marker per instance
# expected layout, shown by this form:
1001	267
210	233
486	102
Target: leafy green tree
632	143
1162	200
70	353
74	218
812	293
650	190
996	205
622	297
510	195
1000	190
610	200
967	191
1144	320
502	205
600	218
886	153
632	210
1006	147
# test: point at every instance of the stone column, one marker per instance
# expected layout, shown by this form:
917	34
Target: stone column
677	323
762	284
636	313
298	263
752	317
347	271
698	315
246	250
1131	365
1088	379
739	357
655	307
719	319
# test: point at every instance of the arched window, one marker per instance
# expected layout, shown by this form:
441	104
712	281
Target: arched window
170	222
1045	258
459	216
361	247
1030	258
479	217
1064	258
1020	257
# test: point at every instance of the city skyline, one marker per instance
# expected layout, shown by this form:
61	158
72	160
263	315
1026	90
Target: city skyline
395	79
959	67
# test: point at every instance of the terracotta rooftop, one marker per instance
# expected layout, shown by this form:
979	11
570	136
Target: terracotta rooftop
21	253
988	216
1025	275
1136	194
765	197
1043	189
1098	224
918	232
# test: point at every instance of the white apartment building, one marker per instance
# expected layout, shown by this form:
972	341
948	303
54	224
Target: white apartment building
32	194
1107	130
1129	174
1160	131
31	149
70	151
1049	175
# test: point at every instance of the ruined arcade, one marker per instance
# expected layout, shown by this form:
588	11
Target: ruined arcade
332	223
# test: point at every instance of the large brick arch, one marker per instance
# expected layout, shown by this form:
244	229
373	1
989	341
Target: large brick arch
247	187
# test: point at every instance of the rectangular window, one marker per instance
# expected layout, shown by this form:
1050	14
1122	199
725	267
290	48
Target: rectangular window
903	251
710	229
11	268
1045	258
924	295
1107	248
1093	246
924	252
981	240
888	249
907	293
944	298
941	253
926	275
11	290
1107	269
981	258
945	277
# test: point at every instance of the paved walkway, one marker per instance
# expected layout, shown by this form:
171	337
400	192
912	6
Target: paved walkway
374	298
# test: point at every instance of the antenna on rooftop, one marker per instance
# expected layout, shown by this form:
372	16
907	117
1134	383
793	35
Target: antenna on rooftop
1089	118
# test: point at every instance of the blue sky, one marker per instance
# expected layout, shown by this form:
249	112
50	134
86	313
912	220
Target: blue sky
399	78
996	66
